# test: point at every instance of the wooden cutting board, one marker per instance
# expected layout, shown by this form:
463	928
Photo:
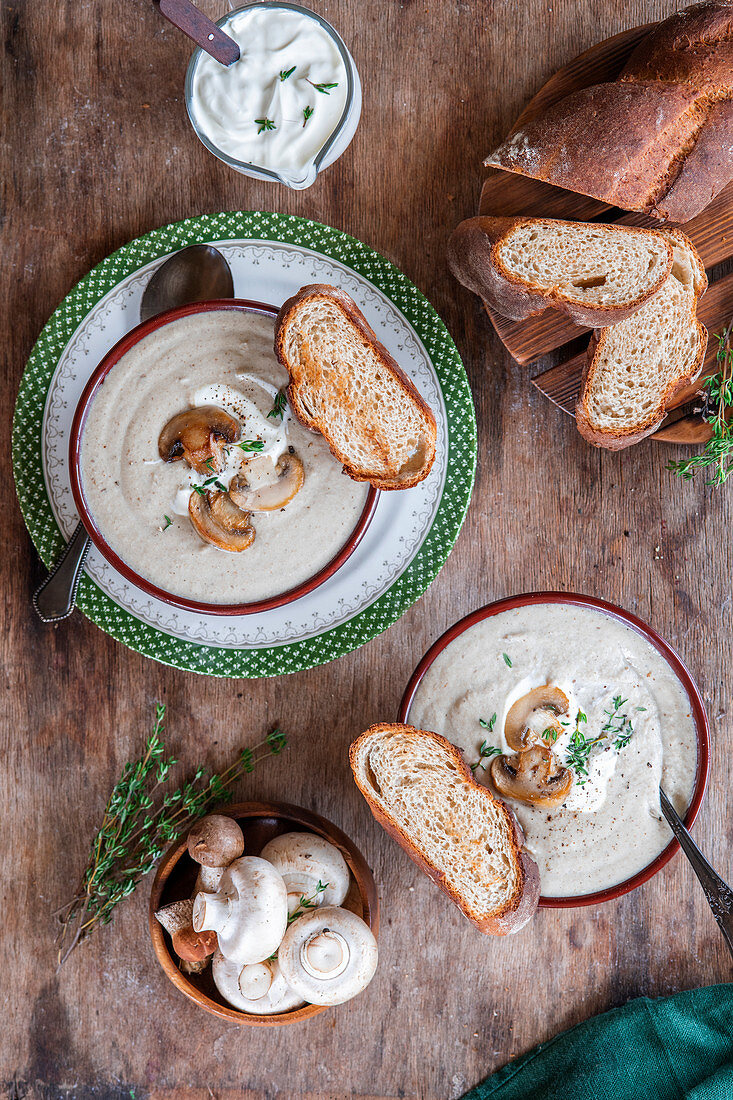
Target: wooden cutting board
711	232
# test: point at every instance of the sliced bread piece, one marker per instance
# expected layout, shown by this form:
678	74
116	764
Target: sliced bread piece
635	368
345	385
421	791
597	274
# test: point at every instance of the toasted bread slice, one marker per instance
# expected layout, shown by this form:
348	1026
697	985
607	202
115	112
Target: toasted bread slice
421	791
345	385
597	274
635	368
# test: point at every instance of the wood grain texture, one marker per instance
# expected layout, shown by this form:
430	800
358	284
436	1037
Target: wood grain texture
96	150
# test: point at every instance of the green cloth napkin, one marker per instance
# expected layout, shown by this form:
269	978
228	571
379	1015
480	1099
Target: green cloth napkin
674	1048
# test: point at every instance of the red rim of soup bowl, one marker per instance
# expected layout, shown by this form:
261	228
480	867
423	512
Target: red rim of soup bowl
85	515
672	658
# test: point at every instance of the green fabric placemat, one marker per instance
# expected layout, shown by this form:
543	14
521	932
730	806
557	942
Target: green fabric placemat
674	1048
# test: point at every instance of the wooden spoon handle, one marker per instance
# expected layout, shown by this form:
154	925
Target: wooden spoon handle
187	17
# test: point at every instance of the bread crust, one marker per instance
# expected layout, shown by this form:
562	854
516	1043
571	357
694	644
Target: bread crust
473	257
693	46
347	305
522	905
629	142
627	437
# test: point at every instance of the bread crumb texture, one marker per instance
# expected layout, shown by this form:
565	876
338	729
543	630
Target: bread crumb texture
640	361
589	264
454	824
349	393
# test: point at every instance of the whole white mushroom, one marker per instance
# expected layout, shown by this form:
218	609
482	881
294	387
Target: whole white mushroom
259	988
249	911
328	955
312	868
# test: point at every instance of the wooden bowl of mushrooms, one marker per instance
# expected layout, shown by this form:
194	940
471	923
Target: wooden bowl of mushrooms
265	914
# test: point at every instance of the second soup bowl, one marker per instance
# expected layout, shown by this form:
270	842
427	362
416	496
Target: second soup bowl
467	682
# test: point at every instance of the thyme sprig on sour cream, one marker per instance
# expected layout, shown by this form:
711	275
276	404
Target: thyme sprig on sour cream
250	445
324	89
278	408
616	731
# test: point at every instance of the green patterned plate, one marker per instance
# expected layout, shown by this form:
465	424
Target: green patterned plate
412	532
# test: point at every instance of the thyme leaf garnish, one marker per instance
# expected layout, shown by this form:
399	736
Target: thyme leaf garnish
484	753
278	407
216	483
139	820
616	729
248	445
507	659
168	522
307	112
285	75
264	124
718	400
324	88
488	725
306	903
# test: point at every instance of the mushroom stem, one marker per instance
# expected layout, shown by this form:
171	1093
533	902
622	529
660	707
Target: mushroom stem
211	912
255	980
325	954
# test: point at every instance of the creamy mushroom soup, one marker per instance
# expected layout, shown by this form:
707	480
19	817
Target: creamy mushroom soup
627	728
223	360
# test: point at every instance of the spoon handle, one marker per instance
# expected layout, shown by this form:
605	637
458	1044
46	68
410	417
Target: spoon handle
718	893
187	17
55	598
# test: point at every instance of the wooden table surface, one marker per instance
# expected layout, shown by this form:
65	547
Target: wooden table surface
97	149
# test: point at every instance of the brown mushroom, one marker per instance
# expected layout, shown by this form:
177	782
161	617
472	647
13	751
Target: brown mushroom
270	494
194	949
199	436
214	842
218	521
531	716
532	776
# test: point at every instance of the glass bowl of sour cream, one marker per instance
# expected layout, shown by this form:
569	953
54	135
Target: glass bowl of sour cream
289	107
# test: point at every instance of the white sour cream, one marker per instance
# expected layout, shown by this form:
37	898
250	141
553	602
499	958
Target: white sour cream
266	110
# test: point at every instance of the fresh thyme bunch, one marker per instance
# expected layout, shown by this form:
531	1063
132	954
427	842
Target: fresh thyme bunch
718	452
138	824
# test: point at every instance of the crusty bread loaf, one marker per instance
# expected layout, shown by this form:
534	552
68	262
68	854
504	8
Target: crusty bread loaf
420	790
345	385
597	274
635	368
658	139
